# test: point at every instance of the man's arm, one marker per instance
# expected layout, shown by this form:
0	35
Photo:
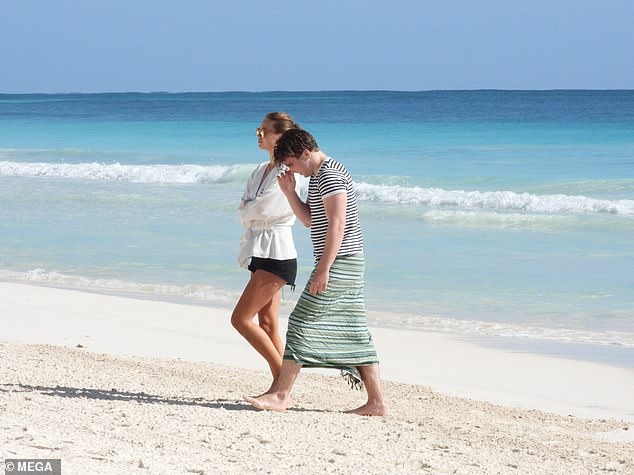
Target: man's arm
301	209
335	206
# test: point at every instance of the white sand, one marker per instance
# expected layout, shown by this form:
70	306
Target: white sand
157	388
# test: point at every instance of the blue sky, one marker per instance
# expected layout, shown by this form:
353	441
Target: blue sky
239	45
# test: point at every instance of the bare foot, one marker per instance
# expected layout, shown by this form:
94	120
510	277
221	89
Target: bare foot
270	402
289	400
268	391
369	409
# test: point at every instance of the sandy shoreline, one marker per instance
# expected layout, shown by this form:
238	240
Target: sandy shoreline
157	387
112	415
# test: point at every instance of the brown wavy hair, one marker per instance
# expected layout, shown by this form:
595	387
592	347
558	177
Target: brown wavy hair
292	143
281	122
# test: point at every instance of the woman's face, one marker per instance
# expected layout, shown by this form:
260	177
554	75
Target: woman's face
267	136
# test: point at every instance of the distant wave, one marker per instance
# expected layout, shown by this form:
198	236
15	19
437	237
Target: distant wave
175	174
499	200
396	194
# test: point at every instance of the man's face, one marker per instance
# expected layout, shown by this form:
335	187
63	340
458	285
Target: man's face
298	165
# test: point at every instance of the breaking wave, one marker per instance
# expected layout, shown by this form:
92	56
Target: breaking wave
389	194
494	200
164	174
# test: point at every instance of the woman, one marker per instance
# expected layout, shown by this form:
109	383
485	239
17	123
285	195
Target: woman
267	247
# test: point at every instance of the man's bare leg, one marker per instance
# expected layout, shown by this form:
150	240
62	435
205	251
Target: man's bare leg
278	398
376	404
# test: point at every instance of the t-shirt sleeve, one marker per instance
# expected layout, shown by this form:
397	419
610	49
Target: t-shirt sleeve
332	182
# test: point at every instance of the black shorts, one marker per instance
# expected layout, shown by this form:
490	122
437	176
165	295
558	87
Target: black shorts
286	269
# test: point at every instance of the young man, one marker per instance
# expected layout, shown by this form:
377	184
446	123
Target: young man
328	327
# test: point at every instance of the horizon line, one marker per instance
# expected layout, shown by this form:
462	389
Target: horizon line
273	91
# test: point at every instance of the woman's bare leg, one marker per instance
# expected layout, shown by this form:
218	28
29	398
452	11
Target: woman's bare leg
260	290
269	321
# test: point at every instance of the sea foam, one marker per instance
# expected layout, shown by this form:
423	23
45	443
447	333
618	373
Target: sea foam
500	200
166	174
187	293
209	295
503	329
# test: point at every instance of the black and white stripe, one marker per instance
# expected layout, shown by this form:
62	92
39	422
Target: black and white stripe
333	178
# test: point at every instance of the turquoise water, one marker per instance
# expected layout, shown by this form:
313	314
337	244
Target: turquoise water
494	213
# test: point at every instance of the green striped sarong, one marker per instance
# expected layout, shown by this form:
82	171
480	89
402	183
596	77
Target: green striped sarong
330	329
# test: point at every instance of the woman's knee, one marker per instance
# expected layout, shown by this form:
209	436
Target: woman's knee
239	320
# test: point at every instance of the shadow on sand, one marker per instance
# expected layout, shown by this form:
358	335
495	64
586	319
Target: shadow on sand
139	397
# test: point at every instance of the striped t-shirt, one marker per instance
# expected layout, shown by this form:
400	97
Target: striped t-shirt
333	178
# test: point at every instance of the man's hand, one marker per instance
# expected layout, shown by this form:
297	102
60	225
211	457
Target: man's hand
319	282
287	182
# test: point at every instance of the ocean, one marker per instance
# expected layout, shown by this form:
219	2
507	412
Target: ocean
506	216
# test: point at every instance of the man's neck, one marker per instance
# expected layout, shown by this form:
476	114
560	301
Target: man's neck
316	160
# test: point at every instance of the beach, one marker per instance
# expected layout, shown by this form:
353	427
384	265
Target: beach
112	384
490	152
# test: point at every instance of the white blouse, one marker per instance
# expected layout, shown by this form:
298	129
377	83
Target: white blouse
267	218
